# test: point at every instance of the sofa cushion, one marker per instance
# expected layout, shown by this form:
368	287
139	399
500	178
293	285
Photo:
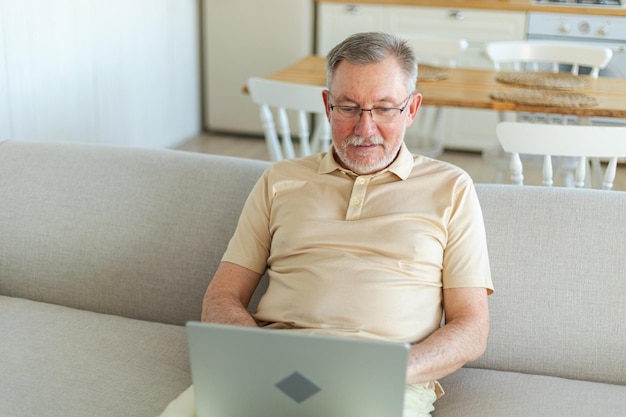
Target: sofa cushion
58	361
488	393
557	260
131	232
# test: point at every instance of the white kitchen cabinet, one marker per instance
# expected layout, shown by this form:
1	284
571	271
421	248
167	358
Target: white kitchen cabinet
246	38
101	71
462	129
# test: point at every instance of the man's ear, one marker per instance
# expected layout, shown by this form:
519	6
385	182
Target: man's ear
326	98
413	108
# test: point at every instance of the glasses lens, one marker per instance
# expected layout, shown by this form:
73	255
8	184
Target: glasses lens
347	112
385	114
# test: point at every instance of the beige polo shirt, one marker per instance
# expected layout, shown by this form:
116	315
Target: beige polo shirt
361	255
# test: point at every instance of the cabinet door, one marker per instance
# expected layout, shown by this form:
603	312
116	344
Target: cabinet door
275	34
337	21
471	24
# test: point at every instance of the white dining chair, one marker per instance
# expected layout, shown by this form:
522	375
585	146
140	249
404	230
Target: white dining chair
585	143
425	136
546	56
304	102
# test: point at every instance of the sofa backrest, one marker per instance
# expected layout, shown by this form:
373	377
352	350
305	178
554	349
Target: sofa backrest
559	270
132	232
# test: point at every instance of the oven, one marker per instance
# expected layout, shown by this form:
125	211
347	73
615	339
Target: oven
587	3
606	31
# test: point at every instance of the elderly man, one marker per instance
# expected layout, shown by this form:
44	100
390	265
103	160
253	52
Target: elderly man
365	240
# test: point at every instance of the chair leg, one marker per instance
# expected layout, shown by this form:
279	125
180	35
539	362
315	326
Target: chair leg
497	157
609	175
271	138
285	133
517	171
303	133
595	173
320	139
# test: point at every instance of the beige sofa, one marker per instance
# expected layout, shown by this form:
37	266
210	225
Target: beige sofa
105	253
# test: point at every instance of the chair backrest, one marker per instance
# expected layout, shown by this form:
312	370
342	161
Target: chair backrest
531	55
584	142
302	100
436	50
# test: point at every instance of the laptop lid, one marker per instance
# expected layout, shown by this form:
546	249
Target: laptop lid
245	372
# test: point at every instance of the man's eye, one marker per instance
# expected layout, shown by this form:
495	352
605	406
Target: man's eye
383	110
349	109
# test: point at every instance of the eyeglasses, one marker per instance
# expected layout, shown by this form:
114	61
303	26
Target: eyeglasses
379	114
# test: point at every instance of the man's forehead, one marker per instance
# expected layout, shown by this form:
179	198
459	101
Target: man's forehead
360	98
386	72
372	87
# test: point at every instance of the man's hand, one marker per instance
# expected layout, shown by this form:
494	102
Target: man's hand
228	295
461	340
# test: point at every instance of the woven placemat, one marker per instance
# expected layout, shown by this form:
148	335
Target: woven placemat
542	97
558	81
431	73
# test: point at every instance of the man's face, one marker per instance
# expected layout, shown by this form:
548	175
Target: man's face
366	144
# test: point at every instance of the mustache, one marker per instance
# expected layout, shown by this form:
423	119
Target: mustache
360	140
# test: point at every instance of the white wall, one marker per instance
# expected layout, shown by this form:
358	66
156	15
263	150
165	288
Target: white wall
104	71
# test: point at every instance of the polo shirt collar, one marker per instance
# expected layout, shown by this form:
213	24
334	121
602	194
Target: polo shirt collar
401	166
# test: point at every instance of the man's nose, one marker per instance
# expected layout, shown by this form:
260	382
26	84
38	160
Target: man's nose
365	126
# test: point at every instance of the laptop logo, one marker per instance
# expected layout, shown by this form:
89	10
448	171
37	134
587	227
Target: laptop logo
298	387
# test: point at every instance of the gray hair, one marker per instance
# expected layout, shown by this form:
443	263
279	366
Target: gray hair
372	47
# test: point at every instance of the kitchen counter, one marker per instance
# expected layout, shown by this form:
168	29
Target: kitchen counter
503	5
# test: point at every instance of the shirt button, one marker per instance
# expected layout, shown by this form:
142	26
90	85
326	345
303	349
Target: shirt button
361	180
356	202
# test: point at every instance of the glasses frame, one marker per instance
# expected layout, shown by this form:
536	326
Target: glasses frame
361	110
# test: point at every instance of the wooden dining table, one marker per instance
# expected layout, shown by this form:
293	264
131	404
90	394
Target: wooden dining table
472	88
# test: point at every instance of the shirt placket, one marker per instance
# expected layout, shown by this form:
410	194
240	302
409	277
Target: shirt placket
357	198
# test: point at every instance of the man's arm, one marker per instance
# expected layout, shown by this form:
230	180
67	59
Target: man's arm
462	339
228	295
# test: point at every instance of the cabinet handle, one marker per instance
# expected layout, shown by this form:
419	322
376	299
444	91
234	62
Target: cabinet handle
456	14
353	9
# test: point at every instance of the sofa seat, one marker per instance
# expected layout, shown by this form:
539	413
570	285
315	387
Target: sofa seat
475	392
60	361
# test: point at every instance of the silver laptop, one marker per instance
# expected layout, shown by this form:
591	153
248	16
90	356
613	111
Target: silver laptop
249	372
